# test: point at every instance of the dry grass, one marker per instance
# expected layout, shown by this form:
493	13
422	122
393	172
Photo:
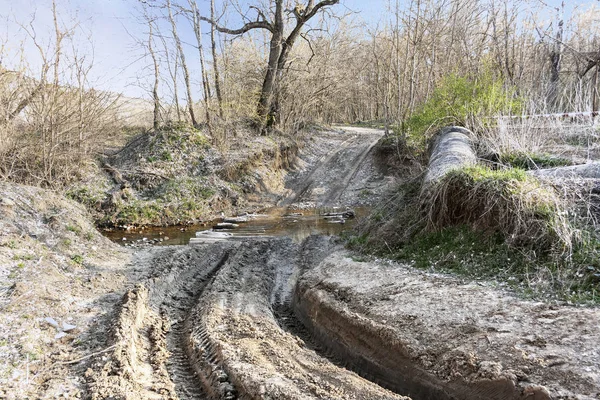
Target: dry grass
510	202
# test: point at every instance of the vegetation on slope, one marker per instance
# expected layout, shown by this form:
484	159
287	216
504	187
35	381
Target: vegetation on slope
499	224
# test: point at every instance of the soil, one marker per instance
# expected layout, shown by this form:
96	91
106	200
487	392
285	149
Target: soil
53	264
459	339
269	318
337	168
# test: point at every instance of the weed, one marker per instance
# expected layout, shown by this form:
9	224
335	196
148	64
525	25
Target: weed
166	156
77	259
89	236
523	160
75	229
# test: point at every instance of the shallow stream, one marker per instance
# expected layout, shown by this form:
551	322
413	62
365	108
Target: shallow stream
297	224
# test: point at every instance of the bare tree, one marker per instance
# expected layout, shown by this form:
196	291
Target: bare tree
155	98
205	87
215	59
184	66
274	21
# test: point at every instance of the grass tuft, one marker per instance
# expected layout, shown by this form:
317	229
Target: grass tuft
501	225
508	201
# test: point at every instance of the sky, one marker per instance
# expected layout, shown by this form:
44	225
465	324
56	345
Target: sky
109	30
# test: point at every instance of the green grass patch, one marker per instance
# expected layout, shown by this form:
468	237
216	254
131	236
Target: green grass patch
182	189
529	161
499	225
464	251
85	196
72	228
77	259
139	213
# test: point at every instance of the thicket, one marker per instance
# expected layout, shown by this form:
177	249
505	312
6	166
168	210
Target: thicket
471	102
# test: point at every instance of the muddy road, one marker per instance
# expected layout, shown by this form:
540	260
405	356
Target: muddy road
216	320
273	318
337	169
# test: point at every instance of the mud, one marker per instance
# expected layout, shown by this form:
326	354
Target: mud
274	318
438	337
337	168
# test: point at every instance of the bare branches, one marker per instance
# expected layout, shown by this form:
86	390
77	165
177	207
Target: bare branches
260	23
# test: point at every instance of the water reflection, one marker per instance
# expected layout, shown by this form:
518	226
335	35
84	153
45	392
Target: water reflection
296	224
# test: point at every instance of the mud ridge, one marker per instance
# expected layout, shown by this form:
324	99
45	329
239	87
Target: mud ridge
154	356
376	349
192	365
237	315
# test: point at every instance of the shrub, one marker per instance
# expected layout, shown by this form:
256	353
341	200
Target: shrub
461	100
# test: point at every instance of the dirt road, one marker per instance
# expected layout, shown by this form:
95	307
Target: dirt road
337	169
268	318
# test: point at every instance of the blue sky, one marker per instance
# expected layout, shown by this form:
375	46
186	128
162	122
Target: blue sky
112	26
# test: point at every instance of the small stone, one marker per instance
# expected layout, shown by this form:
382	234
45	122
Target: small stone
60	335
51	321
68	327
124	239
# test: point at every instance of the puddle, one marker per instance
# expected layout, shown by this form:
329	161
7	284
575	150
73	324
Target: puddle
275	222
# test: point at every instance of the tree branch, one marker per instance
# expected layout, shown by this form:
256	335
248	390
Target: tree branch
310	12
258	24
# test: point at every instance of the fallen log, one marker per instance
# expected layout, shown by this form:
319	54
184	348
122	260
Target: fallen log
450	149
583	171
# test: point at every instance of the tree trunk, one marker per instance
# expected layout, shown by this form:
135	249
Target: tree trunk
156	119
215	60
186	74
268	87
198	32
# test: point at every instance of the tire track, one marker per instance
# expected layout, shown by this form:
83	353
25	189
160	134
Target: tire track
247	317
306	185
189	381
333	173
192	373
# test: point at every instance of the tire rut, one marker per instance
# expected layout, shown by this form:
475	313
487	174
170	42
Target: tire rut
187	369
308	181
283	311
